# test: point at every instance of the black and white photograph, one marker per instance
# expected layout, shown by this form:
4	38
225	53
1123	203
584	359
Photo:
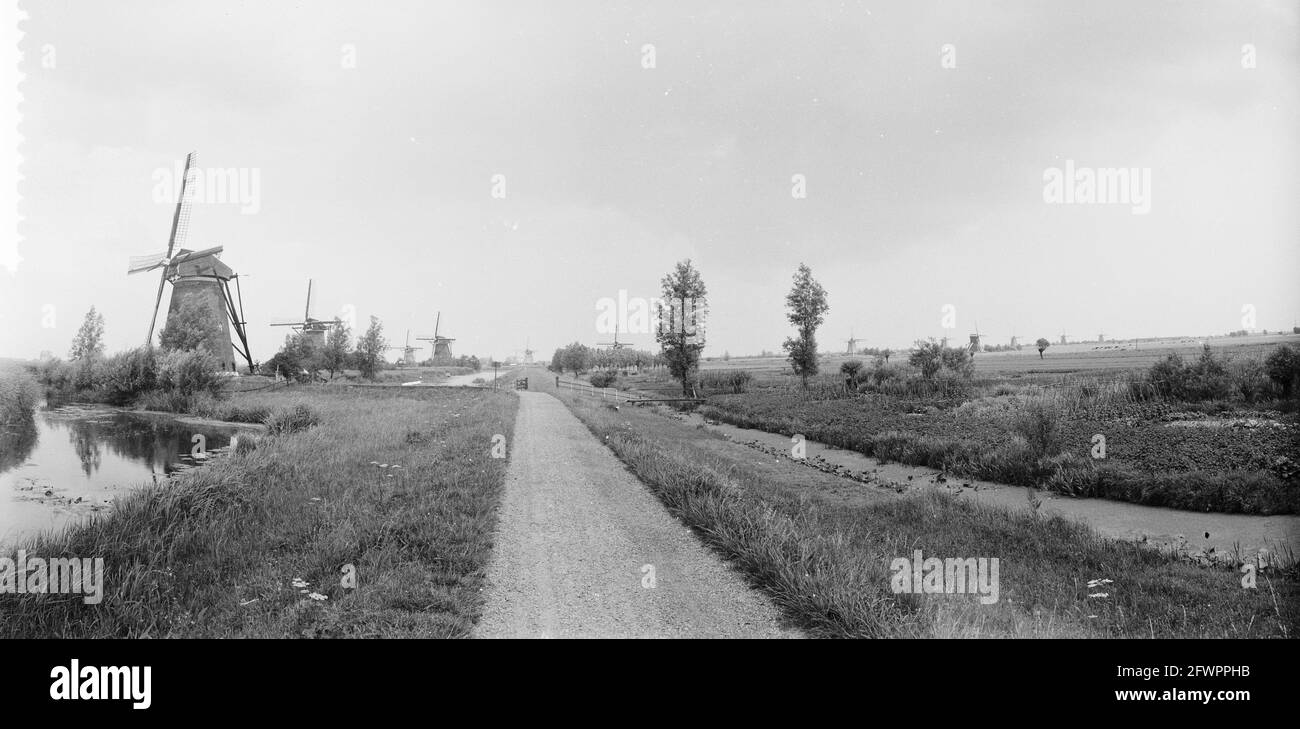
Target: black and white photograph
969	320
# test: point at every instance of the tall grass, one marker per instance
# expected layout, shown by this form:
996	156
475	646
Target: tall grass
824	557
1031	455
216	551
19	396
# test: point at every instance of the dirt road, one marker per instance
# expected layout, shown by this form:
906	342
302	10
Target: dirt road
584	550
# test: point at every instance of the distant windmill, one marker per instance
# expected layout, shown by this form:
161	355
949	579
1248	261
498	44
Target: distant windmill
1063	336
614	344
408	352
974	345
528	352
1101	339
313	330
197	276
441	344
853	344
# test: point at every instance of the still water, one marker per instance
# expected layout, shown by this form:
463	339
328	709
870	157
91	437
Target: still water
72	461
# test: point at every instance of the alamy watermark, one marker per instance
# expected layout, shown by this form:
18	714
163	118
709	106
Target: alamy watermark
55	576
934	576
1098	186
240	186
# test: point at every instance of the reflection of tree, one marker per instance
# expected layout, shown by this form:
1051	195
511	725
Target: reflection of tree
86	445
16	444
158	444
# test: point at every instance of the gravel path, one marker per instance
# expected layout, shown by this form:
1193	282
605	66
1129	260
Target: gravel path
576	536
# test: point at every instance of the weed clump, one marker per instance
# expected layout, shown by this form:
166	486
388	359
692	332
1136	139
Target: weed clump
301	417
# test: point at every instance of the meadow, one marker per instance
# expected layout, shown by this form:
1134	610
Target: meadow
359	513
823	553
1212	436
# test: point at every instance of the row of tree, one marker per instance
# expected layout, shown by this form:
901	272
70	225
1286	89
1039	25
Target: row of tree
303	360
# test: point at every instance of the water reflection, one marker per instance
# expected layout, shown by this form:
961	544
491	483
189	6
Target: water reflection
17	443
72	461
161	445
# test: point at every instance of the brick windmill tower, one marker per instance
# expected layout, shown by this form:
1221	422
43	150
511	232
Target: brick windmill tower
198	277
441	344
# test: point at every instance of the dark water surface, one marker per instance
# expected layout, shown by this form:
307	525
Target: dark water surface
71	462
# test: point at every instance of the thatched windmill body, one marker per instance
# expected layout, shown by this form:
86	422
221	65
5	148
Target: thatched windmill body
199	277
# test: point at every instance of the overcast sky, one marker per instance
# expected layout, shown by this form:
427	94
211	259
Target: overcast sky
375	129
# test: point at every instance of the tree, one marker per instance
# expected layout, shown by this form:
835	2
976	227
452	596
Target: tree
1042	344
927	357
192	326
807	308
334	352
89	342
1283	368
681	314
294	361
370	349
577	357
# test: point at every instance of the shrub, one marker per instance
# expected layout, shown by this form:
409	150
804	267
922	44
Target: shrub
1283	368
301	417
245	444
603	379
55	374
1037	424
1250	379
735	381
129	374
19	396
189	373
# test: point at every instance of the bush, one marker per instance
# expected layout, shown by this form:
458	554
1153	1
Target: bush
301	417
19	396
245	444
1251	381
1283	368
603	379
735	381
1037	424
189	373
129	374
1212	378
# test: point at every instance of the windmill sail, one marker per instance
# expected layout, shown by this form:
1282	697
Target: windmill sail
180	229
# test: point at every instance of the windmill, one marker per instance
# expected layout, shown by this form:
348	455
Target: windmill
197	277
408	352
313	330
974	345
441	344
1063	336
853	342
1101	338
614	344
528	352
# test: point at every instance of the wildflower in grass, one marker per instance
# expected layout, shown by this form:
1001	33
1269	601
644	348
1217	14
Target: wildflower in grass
317	596
1099	594
1092	584
300	582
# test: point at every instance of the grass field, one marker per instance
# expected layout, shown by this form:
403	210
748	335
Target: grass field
1073	357
396	483
823	554
1015	424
